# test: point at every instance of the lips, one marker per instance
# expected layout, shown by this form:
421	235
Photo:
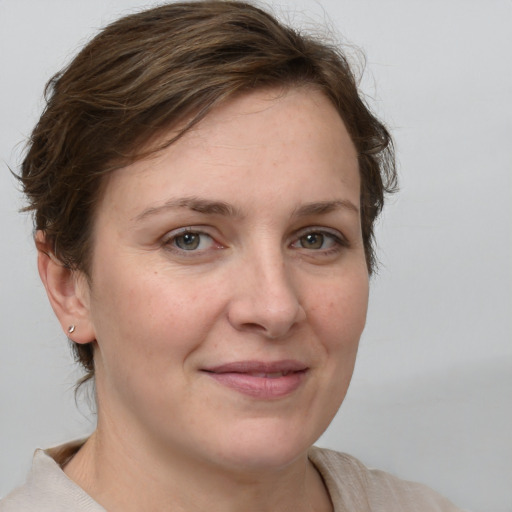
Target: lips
264	380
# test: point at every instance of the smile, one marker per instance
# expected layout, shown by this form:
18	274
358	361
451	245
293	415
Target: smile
260	380
274	375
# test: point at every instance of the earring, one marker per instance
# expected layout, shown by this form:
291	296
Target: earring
71	329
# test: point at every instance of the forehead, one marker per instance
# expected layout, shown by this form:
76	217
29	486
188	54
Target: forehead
283	117
269	138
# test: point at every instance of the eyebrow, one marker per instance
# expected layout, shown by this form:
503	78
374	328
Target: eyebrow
209	207
325	207
195	204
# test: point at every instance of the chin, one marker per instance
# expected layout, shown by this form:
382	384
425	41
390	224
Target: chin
261	448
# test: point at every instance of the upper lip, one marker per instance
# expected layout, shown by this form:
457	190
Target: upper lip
262	367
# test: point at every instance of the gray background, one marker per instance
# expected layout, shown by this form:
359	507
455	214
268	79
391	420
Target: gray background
431	398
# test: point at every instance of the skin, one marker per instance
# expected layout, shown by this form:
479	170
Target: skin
279	274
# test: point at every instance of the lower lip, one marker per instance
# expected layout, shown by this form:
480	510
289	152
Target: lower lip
260	387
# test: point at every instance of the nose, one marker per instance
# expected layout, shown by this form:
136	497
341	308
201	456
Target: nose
265	300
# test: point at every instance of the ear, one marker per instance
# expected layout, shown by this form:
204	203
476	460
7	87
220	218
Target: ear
68	292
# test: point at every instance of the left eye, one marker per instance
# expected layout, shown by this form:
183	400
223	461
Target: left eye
316	240
191	241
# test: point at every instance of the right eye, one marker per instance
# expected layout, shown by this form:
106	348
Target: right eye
192	241
189	240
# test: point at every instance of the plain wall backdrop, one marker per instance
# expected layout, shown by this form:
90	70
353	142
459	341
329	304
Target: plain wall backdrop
431	398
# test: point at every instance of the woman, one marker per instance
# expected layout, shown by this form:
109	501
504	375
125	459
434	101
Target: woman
205	183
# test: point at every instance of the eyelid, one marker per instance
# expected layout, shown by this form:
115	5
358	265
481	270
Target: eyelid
169	237
335	233
337	236
183	231
340	241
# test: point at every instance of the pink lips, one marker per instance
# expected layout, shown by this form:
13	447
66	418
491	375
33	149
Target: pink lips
258	379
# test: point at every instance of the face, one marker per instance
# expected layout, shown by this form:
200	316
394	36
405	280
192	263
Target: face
229	285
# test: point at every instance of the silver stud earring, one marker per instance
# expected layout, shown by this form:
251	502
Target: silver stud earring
71	329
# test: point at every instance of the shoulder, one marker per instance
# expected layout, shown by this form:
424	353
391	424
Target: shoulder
18	500
48	489
353	486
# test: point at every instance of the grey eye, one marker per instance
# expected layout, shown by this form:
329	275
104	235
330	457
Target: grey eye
312	241
188	241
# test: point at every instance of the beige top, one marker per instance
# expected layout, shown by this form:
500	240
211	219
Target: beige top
351	485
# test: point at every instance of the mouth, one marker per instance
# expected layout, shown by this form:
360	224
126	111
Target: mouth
263	380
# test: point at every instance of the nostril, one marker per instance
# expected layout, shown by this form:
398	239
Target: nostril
253	327
270	307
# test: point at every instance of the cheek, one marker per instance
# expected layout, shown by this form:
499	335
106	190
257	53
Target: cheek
340	310
145	319
147	326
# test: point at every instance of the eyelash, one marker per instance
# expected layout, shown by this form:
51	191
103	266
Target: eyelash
337	239
169	241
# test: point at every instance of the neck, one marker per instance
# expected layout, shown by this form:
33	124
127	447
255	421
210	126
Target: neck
132	476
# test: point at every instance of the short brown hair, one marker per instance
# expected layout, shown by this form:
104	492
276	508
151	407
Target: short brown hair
150	71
